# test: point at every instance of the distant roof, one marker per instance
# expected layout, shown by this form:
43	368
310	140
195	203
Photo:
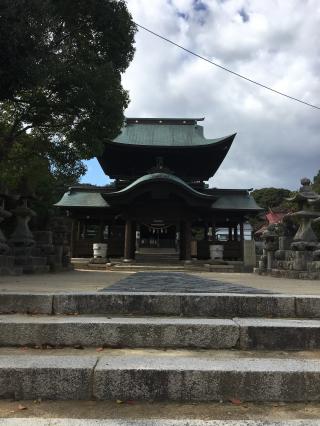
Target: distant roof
275	217
164	132
239	201
272	218
82	199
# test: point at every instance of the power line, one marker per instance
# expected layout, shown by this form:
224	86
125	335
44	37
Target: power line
227	69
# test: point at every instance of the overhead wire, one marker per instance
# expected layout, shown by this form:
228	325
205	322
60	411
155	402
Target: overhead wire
228	69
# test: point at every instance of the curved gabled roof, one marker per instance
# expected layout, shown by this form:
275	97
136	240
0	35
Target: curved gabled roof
219	199
160	177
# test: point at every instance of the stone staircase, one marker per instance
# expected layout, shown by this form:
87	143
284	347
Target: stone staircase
159	346
157	255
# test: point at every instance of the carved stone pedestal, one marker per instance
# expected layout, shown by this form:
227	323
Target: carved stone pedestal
7	266
26	255
61	245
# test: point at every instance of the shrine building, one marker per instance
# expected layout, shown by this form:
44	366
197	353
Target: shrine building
159	200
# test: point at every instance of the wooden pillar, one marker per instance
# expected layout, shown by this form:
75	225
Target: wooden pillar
133	239
185	240
182	240
74	239
241	239
187	228
241	232
177	238
138	236
127	256
235	233
101	228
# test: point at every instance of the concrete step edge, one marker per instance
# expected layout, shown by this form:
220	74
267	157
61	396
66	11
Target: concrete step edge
159	332
159	378
219	305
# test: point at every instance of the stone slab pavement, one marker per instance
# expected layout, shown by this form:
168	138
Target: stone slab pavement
83	281
175	282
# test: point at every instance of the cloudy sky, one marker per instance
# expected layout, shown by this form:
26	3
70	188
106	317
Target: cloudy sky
276	42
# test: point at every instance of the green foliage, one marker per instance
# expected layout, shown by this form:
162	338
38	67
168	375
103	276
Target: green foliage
60	72
271	198
60	89
316	183
29	167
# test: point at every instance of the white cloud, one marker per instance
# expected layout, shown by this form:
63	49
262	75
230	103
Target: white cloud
275	42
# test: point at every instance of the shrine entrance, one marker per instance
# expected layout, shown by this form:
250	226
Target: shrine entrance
157	234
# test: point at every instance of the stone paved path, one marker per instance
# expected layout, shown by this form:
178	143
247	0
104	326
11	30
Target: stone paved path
177	282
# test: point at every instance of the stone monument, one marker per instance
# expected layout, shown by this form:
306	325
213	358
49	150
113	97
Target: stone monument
60	231
297	257
6	259
22	242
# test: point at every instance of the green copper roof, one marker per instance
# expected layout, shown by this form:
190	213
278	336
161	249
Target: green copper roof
236	202
82	199
164	135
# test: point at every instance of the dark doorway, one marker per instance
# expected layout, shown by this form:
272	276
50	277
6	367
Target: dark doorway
157	234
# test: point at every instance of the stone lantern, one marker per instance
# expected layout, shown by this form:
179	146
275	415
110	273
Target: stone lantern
4	214
308	200
6	259
305	241
26	254
271	244
22	238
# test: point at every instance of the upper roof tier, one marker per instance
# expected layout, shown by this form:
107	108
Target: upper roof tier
163	132
176	145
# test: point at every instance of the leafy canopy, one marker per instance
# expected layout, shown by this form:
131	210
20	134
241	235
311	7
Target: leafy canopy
271	198
60	74
316	183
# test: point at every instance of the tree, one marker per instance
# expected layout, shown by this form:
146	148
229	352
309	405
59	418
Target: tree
60	74
33	167
271	198
316	183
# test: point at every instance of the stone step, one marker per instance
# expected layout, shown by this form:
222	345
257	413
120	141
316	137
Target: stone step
219	268
153	332
205	379
144	267
19	330
161	261
26	261
36	269
216	305
278	334
159	255
220	377
135	266
157	250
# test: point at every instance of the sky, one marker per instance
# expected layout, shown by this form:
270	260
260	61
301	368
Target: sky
276	42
